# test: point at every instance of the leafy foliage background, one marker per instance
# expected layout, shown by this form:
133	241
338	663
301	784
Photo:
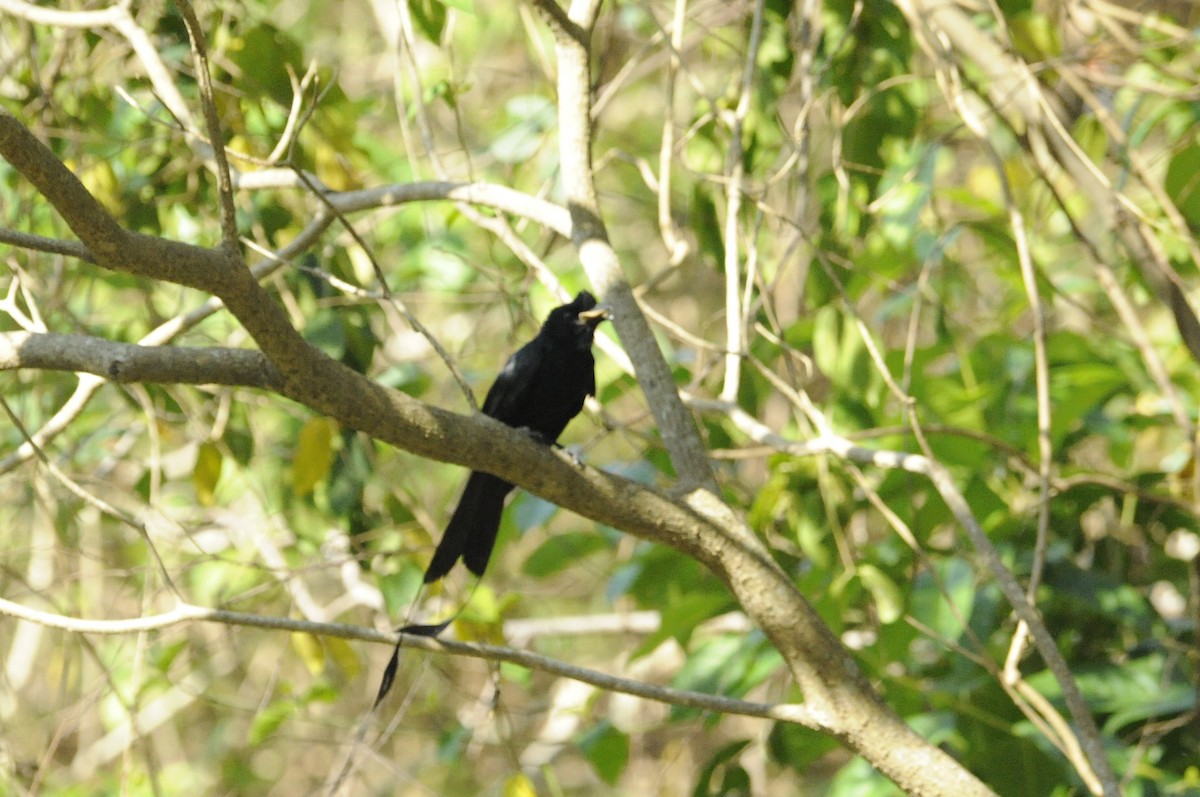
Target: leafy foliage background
893	264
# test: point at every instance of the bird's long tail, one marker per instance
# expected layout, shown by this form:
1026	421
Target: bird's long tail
471	532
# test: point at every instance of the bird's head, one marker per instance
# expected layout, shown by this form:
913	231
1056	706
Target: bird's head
576	320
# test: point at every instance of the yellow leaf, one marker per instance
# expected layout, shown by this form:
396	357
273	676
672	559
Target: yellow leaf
343	656
518	785
244	146
331	166
481	620
360	261
314	455
206	473
311	652
101	182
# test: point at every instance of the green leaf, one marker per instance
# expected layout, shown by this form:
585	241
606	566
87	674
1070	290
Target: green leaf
344	656
311	651
731	664
929	606
707	667
530	512
430	16
268	720
515	673
1035	36
607	749
262	55
798	747
860	779
519	785
687	612
706	224
529	116
1183	183
400	589
561	551
734	779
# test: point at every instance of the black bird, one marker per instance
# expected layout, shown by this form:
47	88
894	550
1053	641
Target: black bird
541	388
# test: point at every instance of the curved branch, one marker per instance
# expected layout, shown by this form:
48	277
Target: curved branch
110	244
491	195
502	198
312	378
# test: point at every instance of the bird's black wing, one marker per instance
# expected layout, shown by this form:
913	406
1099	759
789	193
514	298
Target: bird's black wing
508	398
471	532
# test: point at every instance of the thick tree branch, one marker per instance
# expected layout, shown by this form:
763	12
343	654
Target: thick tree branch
109	244
943	483
129	363
490	195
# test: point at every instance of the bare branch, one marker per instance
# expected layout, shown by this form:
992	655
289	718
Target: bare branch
735	331
229	234
128	362
187	613
38	243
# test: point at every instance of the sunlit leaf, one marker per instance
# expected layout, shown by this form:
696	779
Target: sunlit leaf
889	604
314	455
519	785
311	651
206	473
343	654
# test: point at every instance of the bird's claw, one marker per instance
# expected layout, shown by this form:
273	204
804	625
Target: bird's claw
537	436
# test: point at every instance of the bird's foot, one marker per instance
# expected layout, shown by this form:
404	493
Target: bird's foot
537	436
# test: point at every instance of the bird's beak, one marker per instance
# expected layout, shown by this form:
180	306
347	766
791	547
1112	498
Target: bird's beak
594	316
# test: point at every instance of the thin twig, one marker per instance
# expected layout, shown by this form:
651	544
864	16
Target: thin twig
229	234
735	173
184	613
